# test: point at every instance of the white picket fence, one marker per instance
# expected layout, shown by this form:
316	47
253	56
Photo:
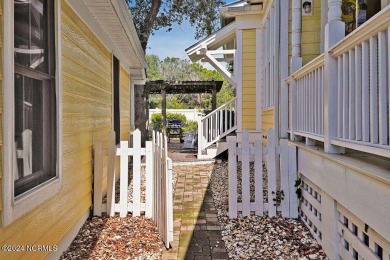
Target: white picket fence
281	199
158	203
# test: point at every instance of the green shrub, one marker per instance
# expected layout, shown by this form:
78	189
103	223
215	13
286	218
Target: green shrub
156	120
192	126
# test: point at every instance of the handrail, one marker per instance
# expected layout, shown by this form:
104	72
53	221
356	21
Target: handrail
379	22
217	125
309	67
220	108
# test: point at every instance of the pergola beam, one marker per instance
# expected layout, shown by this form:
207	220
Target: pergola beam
182	87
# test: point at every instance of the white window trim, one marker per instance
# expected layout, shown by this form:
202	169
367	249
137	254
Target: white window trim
13	207
114	54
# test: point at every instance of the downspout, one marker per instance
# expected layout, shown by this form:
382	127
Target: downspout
296	59
295	63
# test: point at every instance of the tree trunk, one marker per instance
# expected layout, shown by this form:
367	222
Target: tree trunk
149	22
139	112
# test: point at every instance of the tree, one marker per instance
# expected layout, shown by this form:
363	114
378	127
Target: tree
151	15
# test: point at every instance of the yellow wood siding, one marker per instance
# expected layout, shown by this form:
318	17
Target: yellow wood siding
87	115
1	110
249	79
268	122
125	104
311	34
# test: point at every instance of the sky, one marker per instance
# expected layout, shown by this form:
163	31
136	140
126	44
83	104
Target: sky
173	43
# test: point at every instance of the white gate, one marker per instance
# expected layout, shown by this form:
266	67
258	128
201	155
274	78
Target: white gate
158	203
280	192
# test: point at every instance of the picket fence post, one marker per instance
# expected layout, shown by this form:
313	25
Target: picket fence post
258	164
137	173
271	165
232	142
97	177
111	152
284	178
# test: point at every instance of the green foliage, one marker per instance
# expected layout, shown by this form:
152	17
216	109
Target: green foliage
192	126
157	122
153	70
151	15
174	103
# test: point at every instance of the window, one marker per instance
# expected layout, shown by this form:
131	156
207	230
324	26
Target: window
35	120
357	12
116	99
366	239
379	251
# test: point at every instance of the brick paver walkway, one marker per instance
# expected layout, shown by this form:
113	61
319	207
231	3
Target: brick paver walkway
197	232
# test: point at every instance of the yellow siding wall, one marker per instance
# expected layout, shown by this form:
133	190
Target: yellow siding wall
311	34
268	117
125	104
87	115
249	79
1	110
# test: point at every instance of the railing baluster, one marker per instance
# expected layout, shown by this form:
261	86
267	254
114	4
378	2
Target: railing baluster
310	101
340	97
300	103
388	70
365	92
383	85
351	94
358	92
322	101
315	101
345	99
305	104
373	90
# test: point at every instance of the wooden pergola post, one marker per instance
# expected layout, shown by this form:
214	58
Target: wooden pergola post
214	97
147	112
164	108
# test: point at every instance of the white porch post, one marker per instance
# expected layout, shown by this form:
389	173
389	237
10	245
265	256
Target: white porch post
283	67
334	32
296	63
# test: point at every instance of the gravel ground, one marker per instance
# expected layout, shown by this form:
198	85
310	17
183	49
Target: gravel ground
257	237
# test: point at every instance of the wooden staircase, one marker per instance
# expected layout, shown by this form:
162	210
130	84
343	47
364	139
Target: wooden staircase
213	129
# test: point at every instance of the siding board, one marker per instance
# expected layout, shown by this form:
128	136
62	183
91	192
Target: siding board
1	114
249	79
87	115
311	34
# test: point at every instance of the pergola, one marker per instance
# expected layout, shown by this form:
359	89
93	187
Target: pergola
181	87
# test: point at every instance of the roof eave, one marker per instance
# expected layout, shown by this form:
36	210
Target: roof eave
212	42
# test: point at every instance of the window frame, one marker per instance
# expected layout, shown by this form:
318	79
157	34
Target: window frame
116	97
14	207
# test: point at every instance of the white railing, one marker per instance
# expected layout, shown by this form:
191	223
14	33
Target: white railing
217	125
359	91
307	83
363	85
158	197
